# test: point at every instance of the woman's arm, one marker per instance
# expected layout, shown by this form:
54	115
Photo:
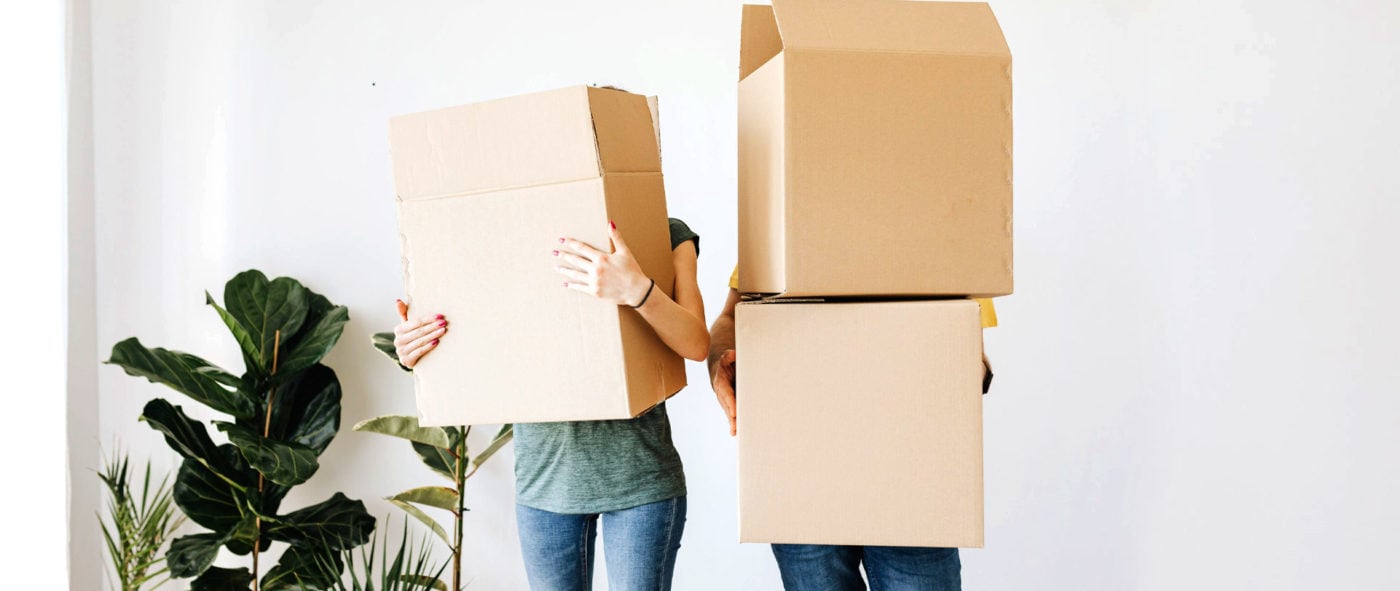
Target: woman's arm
680	321
616	277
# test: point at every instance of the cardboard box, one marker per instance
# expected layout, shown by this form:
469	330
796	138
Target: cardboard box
874	149
860	423
484	193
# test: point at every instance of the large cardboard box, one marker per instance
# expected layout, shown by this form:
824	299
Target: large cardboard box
484	193
874	149
860	423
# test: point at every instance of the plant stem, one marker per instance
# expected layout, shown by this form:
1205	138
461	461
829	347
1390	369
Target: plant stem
267	430
457	515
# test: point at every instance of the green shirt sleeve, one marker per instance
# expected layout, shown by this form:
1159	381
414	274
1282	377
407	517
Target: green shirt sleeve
681	233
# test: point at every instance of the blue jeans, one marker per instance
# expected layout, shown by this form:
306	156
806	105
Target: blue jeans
641	544
810	567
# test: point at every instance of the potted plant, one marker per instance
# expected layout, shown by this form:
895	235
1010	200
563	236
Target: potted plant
282	412
444	451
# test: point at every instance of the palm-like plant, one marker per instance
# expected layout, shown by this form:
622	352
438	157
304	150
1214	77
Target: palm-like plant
411	567
137	524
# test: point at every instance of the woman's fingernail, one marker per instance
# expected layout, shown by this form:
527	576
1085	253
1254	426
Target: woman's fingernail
556	253
435	341
612	225
566	284
439	316
442	323
561	241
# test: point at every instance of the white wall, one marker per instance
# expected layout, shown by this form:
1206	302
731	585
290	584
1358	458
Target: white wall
33	298
1196	377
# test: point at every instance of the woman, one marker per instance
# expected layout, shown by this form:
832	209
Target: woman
626	472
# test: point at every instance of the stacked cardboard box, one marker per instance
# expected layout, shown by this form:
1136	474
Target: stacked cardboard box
874	196
484	191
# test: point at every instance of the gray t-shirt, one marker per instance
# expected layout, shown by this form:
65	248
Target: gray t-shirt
600	466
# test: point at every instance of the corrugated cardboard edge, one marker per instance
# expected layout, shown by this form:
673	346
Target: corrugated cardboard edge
759	38
763	130
665	389
810	24
654	105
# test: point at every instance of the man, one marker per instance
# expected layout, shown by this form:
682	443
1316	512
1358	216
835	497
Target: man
815	567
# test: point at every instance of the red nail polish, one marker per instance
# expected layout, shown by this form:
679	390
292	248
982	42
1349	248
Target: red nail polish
435	341
561	241
439	316
612	225
442	323
556	253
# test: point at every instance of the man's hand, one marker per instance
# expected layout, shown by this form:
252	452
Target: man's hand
722	373
722	361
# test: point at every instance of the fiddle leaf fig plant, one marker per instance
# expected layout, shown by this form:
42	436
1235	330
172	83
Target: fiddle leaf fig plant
444	451
282	412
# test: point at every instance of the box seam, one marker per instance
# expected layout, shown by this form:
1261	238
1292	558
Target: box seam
501	189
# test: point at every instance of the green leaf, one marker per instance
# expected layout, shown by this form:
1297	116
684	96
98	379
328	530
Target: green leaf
438	459
384	342
288	464
406	427
264	308
326	322
338	521
205	498
431	496
455	435
241	538
502	437
423	518
306	409
138	520
191	555
184	435
223	579
299	569
246	343
185	373
188	438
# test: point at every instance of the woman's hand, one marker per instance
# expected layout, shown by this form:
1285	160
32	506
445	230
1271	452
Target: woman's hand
415	338
614	277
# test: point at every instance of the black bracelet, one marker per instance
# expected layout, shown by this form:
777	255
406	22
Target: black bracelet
644	298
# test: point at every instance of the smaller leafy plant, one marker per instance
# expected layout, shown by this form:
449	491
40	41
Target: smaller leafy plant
444	451
412	567
137	524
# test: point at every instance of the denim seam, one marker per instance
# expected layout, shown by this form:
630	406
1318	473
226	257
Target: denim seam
583	555
670	526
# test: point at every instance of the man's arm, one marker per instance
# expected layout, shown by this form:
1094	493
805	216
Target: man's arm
722	359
